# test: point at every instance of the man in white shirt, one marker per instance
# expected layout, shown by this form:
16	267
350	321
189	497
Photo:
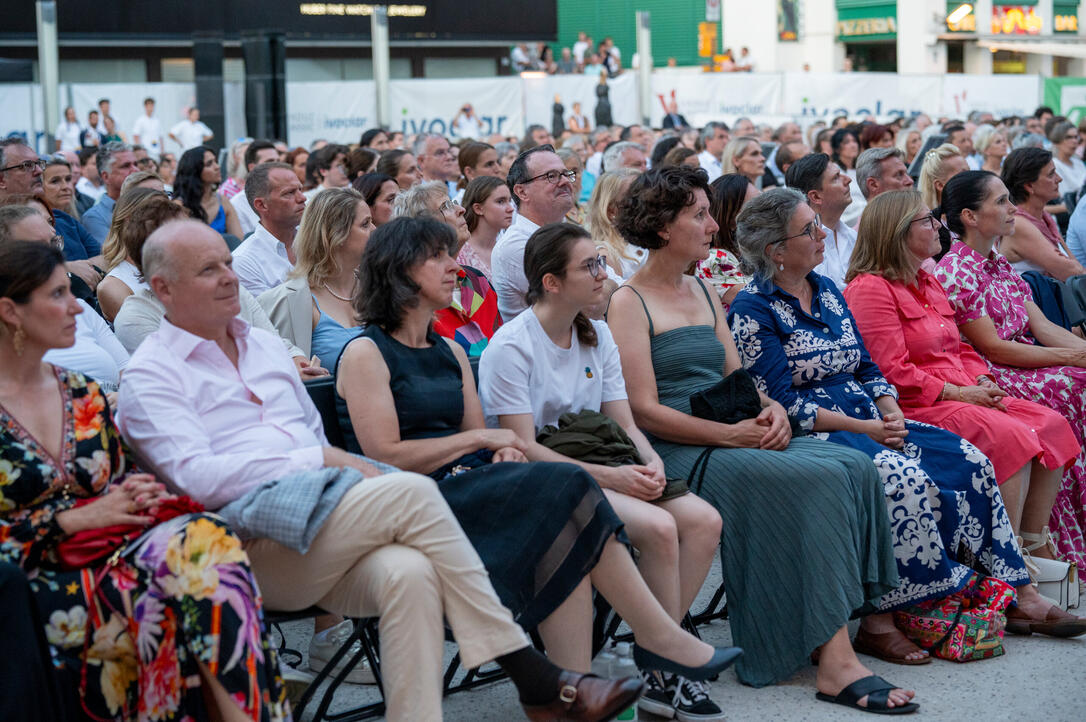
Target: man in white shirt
329	168
599	139
258	152
714	136
191	132
746	61
826	188
215	408
466	124
436	160
266	257
115	162
543	193
625	154
580	47
147	131
90	183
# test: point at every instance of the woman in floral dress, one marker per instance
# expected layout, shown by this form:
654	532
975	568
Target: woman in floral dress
721	266
1029	356
174	625
796	336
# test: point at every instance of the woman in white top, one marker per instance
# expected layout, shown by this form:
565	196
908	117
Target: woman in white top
551	360
138	212
623	260
1064	137
991	143
69	132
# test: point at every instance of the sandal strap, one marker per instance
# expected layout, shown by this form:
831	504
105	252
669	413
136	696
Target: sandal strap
867	687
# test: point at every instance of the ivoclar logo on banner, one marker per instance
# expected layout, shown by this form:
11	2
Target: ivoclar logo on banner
809	110
490	125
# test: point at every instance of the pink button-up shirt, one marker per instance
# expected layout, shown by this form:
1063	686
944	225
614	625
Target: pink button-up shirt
191	416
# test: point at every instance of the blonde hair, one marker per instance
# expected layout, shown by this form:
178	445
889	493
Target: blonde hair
735	147
138	177
880	239
605	195
933	169
902	142
113	249
326	224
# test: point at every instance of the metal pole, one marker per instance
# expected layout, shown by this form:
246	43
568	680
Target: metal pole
644	70
48	69
379	37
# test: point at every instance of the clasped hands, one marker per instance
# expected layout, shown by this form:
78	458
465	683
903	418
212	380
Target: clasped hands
132	501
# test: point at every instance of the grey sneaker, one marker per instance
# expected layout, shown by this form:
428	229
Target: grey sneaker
691	701
323	646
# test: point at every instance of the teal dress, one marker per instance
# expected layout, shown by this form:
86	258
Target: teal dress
805	541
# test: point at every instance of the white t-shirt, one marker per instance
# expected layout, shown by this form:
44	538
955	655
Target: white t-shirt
261	261
523	372
711	165
1073	175
70	135
507	267
245	213
466	127
149	131
190	134
96	353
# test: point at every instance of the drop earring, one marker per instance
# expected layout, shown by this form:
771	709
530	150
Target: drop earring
780	267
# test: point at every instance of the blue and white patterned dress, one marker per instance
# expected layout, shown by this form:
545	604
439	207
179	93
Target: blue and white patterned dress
946	512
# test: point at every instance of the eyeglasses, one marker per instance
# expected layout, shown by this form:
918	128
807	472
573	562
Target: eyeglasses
450	204
27	166
145	163
595	265
553	176
808	230
931	219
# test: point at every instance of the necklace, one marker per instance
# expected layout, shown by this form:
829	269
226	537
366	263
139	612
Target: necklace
328	288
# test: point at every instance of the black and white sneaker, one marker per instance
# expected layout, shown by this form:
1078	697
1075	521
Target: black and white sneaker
691	701
657	698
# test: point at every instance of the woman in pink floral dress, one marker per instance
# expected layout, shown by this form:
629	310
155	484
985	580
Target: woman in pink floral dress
721	267
1029	356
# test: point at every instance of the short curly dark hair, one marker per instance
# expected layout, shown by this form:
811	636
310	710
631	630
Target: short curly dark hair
385	289
655	199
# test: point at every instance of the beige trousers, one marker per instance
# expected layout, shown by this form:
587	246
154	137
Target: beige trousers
392	548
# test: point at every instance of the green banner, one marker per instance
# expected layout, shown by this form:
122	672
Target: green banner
1066	96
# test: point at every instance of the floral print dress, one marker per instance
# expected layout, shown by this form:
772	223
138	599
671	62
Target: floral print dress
721	269
183	593
946	512
979	287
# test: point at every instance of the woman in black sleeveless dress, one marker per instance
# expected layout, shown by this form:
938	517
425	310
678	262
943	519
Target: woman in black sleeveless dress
544	531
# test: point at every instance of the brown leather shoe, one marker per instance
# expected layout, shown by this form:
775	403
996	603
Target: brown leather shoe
1056	623
587	698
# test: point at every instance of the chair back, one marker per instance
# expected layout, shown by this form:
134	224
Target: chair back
322	391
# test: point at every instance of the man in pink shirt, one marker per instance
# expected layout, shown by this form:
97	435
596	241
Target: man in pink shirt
216	409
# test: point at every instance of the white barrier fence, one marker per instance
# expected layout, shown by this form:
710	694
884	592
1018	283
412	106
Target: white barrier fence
340	111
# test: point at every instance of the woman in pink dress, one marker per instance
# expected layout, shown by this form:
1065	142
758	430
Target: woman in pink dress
1029	357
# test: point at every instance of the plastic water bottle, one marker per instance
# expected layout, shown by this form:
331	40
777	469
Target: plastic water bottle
625	666
604	664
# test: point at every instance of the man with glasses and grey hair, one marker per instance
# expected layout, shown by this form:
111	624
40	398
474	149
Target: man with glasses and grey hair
714	136
115	162
542	191
436	160
20	168
826	189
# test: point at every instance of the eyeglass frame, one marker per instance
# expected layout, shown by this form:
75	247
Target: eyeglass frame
599	263
808	231
449	204
931	218
27	165
568	174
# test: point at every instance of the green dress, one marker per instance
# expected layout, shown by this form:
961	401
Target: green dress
805	541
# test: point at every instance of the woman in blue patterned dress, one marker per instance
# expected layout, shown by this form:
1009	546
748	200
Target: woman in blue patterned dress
796	336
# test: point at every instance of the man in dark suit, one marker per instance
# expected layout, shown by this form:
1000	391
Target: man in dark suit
672	119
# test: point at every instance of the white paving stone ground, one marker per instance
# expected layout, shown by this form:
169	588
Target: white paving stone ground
1039	679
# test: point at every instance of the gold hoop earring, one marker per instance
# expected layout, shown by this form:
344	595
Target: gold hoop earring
17	340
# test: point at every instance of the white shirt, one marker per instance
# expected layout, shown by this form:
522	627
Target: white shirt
466	127
523	372
507	267
149	131
84	186
1073	175
838	253
69	135
190	134
711	164
126	273
96	352
851	214
579	48
245	213
594	164
261	261
190	414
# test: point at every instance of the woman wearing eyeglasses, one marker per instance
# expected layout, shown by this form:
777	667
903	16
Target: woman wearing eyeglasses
472	318
551	361
908	325
797	337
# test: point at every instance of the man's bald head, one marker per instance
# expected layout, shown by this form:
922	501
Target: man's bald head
188	267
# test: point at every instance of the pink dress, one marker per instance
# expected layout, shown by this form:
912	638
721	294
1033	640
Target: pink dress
976	287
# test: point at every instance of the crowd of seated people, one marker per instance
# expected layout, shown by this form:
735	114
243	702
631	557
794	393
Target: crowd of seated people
896	361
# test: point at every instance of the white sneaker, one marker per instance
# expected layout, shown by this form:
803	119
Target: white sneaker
324	645
296	681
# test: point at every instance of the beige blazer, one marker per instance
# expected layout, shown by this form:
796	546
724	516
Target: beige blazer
290	308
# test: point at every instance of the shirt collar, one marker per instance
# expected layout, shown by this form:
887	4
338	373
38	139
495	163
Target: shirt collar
769	288
183	343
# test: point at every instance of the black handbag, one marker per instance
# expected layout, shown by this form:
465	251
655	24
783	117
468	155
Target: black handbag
734	399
